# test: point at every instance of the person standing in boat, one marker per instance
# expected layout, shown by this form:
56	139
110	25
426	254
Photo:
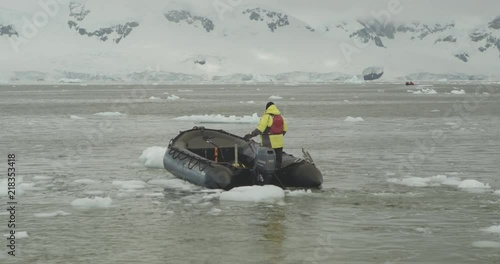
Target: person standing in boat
272	128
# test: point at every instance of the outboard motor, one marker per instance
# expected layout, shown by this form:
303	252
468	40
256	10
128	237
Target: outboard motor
265	165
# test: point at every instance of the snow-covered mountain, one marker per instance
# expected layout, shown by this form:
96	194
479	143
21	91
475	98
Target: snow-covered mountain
190	41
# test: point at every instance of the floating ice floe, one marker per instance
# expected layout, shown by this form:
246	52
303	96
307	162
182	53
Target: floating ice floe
492	229
65	80
247	102
173	97
76	117
19	235
473	184
185	91
354	119
109	114
214	211
51	214
275	97
96	202
152	157
424	91
267	193
175	184
221	119
85	181
467	185
486	244
296	193
435	111
458	92
133	184
154	98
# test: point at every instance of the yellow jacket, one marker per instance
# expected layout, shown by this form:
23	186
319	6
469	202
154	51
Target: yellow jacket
266	121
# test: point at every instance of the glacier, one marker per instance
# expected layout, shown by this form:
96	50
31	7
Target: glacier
254	42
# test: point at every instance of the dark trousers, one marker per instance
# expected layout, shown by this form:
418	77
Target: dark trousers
279	157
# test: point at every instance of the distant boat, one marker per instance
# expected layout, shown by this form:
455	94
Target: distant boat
409	83
220	160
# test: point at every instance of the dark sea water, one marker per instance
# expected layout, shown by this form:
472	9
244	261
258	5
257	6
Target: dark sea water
414	182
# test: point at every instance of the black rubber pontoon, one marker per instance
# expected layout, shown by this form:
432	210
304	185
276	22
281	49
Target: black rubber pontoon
206	157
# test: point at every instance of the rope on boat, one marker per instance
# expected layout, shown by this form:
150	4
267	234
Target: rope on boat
193	159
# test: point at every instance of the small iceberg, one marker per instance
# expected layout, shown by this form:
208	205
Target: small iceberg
458	92
173	97
110	114
217	119
425	91
153	157
492	229
354	119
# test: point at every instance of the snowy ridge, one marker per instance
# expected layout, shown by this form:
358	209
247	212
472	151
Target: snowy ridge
255	42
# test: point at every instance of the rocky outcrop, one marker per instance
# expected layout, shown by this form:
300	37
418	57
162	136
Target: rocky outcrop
373	73
463	57
495	24
8	30
374	31
201	62
274	20
179	16
449	38
115	33
487	39
78	11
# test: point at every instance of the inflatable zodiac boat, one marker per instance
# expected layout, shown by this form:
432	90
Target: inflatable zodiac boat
217	159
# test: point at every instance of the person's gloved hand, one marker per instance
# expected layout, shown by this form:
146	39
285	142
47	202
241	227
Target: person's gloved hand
247	137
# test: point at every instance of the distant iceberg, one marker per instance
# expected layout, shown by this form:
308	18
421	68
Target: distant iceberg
109	114
354	80
354	119
64	80
220	119
373	73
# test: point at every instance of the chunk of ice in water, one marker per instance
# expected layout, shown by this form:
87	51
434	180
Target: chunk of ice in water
96	202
